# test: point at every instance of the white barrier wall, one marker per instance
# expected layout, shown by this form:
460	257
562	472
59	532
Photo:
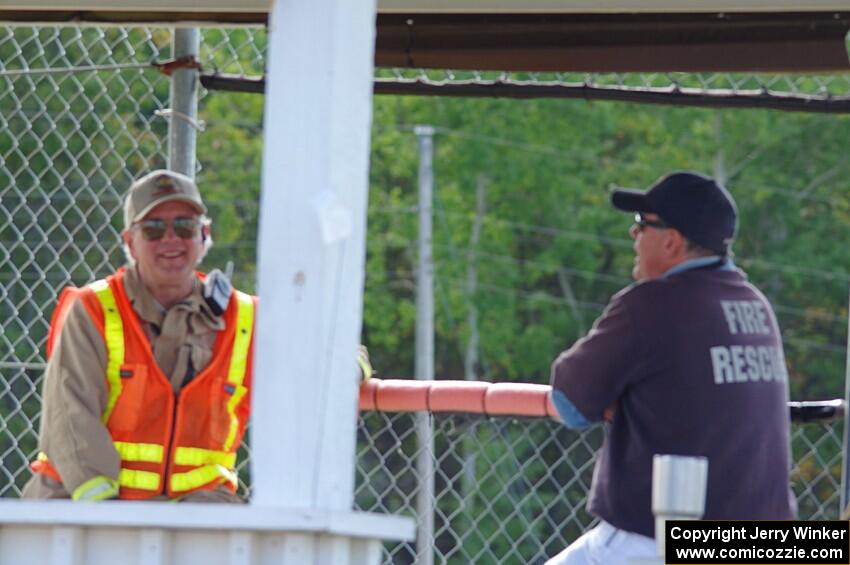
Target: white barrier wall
161	533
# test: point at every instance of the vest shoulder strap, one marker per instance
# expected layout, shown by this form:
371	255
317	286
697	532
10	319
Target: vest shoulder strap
113	335
66	299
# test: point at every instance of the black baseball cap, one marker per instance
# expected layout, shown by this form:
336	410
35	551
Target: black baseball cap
702	210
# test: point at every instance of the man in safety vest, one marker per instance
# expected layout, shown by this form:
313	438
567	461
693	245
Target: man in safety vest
147	388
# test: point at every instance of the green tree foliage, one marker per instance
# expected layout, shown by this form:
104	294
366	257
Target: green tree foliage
552	252
550	166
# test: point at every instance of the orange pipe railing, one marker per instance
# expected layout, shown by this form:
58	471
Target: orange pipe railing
513	399
475	397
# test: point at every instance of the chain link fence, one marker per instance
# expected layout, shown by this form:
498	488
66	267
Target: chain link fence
81	117
70	142
513	490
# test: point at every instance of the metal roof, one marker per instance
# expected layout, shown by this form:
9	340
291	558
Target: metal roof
538	35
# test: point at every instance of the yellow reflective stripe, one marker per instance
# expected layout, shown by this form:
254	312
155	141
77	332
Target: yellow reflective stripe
113	332
147	452
142	480
239	362
200	477
237	395
196	456
98	488
242	341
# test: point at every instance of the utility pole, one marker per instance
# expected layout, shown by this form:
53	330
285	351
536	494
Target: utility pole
572	302
425	348
720	171
470	360
183	124
471	357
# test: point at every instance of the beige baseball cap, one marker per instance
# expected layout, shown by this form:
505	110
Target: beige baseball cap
155	188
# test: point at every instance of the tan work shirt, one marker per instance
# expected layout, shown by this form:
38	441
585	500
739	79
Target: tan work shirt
75	390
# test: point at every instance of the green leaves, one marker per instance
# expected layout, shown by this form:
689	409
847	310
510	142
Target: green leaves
550	165
550	249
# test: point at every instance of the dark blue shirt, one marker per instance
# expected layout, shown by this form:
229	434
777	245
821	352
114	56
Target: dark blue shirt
694	362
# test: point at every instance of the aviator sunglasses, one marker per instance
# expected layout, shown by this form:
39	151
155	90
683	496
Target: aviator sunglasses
154	229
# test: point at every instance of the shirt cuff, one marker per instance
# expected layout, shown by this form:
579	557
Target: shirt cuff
570	415
98	488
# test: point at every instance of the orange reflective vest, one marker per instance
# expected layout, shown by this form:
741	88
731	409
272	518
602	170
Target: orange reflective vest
167	445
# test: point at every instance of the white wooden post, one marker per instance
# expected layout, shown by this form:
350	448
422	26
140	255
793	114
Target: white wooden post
311	252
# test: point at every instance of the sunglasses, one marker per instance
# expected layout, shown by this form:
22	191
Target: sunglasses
642	223
154	229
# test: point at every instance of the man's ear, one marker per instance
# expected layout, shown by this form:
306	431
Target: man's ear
675	243
128	241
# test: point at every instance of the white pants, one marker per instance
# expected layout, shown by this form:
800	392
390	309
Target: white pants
606	545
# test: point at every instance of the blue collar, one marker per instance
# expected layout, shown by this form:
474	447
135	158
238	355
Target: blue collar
724	264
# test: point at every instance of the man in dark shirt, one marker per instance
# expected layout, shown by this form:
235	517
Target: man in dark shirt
686	361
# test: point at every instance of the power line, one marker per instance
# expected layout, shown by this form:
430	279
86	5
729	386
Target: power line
548	230
803	313
621	242
832	201
549	150
591	275
520	226
400	278
531	294
525	295
829	275
623	281
809	344
539	148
